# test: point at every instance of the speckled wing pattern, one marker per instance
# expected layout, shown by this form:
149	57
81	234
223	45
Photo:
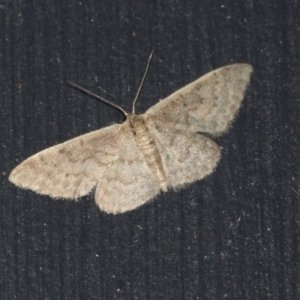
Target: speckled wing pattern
71	169
209	104
128	183
186	156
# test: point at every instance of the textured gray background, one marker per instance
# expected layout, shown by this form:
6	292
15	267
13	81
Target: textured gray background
233	235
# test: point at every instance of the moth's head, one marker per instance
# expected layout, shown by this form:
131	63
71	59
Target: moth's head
136	122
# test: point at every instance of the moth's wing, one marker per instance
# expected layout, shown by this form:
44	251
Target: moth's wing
70	169
128	183
187	156
208	104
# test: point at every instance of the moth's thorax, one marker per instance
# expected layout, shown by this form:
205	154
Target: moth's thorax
137	123
147	145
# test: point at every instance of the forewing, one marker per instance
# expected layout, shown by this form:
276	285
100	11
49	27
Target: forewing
187	156
70	169
128	183
208	104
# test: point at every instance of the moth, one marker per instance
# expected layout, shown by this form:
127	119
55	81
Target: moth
130	163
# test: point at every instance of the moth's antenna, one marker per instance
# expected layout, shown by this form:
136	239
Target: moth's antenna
142	82
79	88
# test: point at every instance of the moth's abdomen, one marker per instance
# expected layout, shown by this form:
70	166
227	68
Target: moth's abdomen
146	144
